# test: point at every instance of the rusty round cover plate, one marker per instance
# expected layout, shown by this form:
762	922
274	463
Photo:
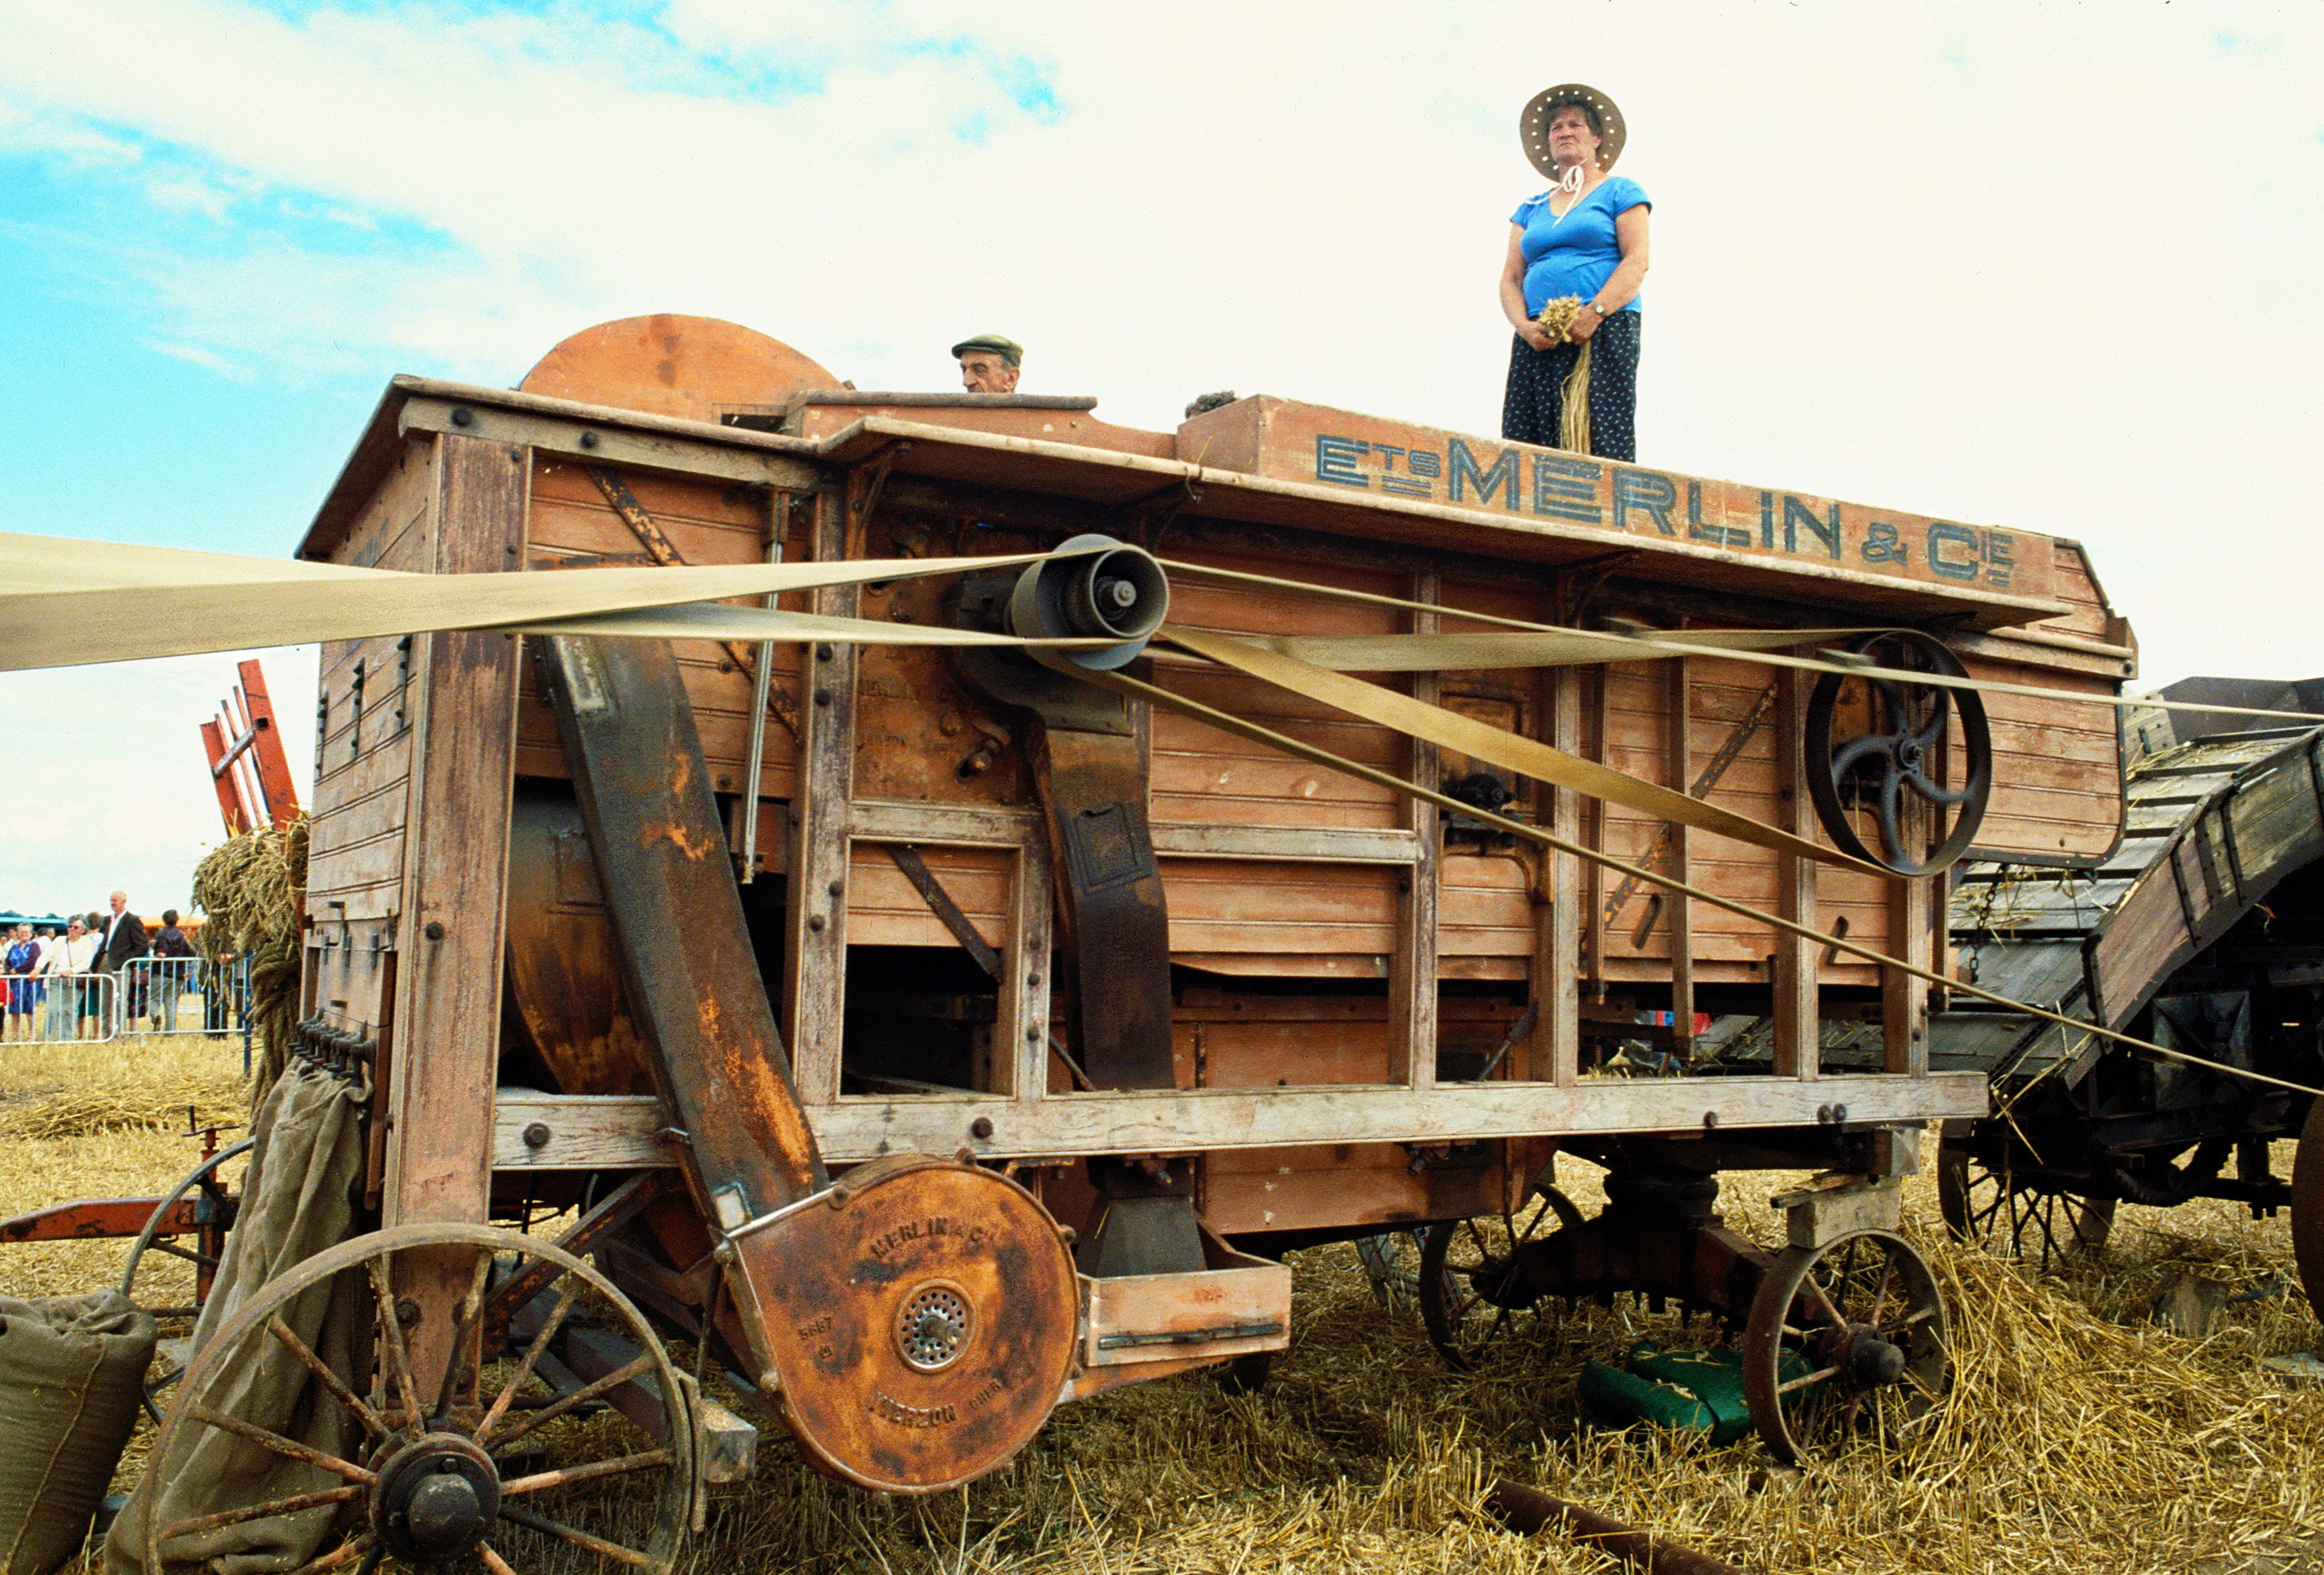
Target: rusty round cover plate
923	1330
695	368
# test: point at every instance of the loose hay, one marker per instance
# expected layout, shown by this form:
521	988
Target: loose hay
2080	1438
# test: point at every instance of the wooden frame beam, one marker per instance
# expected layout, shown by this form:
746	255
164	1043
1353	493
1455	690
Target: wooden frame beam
621	1131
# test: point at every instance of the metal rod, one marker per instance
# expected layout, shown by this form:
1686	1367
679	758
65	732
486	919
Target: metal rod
761	679
1529	1510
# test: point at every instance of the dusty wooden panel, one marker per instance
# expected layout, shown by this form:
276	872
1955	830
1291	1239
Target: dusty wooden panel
1313	1052
1200	775
2272	817
1486	907
363	757
1234	905
1755	529
884	909
2075	583
707	521
2057	780
1341	1184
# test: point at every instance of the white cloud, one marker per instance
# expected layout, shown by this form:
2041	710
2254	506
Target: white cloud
126	804
2043	266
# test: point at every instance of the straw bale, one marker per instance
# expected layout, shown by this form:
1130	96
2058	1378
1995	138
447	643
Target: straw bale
251	888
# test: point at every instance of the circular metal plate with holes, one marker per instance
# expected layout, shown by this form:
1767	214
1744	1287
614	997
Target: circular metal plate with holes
933	1325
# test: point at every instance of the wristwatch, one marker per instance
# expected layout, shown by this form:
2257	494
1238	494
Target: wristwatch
1594	307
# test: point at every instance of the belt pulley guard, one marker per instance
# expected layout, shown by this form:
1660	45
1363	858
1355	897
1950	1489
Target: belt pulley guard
920	1316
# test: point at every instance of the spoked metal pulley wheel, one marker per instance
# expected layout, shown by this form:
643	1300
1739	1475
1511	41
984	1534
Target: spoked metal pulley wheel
2014	1216
1844	1339
389	1437
1915	759
1470	1299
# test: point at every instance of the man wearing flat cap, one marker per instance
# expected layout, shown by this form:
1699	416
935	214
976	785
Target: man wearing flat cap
988	363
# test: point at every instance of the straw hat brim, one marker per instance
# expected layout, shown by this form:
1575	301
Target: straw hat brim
1533	124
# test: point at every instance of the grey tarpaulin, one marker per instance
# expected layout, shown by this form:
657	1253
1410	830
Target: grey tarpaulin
70	1368
297	1200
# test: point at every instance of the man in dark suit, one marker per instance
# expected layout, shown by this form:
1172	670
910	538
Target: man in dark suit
125	938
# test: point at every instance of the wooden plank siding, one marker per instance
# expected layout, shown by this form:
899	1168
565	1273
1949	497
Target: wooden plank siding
1339	951
2226	855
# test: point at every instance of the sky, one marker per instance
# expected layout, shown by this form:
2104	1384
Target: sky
2051	267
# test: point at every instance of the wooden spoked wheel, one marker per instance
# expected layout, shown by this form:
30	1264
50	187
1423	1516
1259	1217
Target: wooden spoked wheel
166	1369
2016	1218
453	1463
1844	1339
1468	1300
1893	748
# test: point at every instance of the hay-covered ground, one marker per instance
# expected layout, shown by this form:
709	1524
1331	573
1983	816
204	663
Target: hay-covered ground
2079	1438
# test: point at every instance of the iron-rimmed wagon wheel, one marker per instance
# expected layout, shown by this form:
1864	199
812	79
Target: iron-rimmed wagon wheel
2308	1207
446	1470
150	1240
2013	1218
1464	1271
1907	728
1844	1337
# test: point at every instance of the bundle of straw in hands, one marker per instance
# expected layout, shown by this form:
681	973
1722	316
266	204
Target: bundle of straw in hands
1556	318
1557	314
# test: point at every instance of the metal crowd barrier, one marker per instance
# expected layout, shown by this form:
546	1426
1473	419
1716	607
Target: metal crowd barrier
158	993
58	1009
147	997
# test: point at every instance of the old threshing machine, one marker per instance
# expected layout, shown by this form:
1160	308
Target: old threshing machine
936	1035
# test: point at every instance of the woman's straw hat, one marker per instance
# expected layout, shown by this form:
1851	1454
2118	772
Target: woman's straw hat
1533	124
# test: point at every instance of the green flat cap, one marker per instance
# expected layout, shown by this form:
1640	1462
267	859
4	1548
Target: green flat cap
1008	349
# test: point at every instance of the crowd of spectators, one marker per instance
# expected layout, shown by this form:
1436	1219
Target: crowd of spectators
62	982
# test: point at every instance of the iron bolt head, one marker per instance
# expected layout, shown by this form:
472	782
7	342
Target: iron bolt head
434	931
537	1135
588	440
462	416
981	1128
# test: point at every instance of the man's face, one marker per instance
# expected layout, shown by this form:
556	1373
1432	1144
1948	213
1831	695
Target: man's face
120	899
985	371
72	931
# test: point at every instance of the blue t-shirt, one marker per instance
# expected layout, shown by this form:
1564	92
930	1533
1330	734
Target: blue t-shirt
1575	253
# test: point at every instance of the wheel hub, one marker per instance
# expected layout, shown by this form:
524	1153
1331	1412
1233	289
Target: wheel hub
435	1498
1874	1362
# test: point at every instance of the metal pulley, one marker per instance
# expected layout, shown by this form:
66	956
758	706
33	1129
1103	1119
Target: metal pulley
1092	588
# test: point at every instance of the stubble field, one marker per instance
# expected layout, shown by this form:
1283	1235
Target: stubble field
2080	1438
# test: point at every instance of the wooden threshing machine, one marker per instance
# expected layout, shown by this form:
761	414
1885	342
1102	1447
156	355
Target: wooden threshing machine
941	1032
